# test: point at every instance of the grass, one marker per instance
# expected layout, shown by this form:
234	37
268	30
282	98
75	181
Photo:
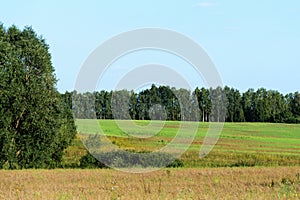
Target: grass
240	144
218	176
208	183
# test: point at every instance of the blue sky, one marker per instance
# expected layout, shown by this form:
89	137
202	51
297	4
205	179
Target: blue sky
252	43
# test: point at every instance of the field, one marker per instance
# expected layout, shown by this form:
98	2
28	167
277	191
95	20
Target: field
213	183
240	144
249	161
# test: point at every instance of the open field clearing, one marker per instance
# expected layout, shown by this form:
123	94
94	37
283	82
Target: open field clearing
240	144
207	183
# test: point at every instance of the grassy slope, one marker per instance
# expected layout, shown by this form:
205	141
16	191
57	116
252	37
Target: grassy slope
240	143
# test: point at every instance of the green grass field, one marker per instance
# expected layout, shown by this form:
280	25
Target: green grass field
240	144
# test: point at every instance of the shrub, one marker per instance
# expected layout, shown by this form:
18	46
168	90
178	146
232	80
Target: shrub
125	159
89	161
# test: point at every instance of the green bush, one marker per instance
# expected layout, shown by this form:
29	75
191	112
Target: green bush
125	159
177	163
89	161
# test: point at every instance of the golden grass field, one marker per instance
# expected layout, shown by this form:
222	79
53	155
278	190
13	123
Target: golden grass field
205	183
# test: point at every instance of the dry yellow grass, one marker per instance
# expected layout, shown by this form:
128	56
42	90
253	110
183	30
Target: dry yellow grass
209	183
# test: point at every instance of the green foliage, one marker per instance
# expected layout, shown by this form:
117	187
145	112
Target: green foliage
214	104
35	126
176	163
126	159
89	161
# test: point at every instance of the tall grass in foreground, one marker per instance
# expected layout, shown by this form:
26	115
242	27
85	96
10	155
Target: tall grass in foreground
217	183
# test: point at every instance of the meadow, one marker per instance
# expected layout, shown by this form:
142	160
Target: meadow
249	161
240	144
207	183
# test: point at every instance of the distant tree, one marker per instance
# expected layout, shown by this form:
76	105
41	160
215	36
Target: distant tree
293	107
107	112
218	105
235	112
248	103
142	106
36	125
133	105
84	105
229	104
203	97
238	111
156	110
295	104
169	102
99	100
184	96
120	104
277	106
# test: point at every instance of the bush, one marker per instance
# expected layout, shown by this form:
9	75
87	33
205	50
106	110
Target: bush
89	161
177	163
125	159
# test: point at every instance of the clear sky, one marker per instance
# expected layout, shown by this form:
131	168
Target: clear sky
252	43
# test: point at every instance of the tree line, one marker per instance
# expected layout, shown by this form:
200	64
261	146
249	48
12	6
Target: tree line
165	103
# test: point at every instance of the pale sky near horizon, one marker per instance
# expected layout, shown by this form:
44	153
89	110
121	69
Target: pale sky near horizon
252	43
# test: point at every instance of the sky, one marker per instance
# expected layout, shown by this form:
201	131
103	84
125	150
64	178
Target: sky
253	43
